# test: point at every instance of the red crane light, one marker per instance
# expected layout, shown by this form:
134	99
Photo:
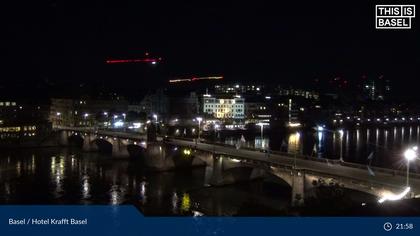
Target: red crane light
141	60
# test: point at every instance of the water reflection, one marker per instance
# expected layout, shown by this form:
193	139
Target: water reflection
358	140
418	133
175	203
185	203
70	177
85	187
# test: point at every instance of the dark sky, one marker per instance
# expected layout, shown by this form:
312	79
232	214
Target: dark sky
272	41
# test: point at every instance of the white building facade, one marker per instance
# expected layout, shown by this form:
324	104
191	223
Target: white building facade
224	108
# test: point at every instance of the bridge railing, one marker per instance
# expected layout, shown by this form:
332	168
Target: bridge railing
102	131
312	158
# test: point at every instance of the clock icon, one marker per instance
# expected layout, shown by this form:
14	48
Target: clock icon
387	226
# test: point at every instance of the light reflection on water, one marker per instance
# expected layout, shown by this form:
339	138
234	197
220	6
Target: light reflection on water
72	177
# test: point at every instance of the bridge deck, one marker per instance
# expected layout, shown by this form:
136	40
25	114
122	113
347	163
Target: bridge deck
351	171
380	178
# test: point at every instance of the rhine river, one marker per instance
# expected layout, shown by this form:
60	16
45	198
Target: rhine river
69	176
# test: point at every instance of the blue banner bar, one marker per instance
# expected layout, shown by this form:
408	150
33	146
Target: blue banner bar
127	220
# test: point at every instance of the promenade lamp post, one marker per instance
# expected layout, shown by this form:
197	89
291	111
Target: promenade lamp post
410	154
124	116
199	119
58	118
85	116
216	128
341	132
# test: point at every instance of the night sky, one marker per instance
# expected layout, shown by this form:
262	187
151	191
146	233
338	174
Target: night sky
68	42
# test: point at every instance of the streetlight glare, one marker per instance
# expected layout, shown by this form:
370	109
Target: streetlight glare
410	154
394	197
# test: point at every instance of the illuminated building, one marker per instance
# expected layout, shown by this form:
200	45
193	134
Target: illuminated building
224	108
22	120
82	112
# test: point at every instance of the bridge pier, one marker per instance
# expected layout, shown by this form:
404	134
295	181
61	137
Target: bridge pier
158	157
88	143
119	148
63	139
217	171
298	188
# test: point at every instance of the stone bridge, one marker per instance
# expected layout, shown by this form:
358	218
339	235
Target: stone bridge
93	140
228	165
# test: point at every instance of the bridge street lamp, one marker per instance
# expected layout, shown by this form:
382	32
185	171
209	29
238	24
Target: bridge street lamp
297	137
216	127
156	123
410	154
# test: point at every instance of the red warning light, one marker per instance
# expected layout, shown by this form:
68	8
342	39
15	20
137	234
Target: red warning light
125	61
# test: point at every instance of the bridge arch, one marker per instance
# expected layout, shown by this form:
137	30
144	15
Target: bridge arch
104	145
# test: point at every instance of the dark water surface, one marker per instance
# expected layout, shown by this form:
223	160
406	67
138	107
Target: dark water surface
70	176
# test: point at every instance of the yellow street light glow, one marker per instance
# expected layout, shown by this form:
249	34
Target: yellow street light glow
388	196
187	152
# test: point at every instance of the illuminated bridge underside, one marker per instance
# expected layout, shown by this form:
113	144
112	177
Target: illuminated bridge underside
307	172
